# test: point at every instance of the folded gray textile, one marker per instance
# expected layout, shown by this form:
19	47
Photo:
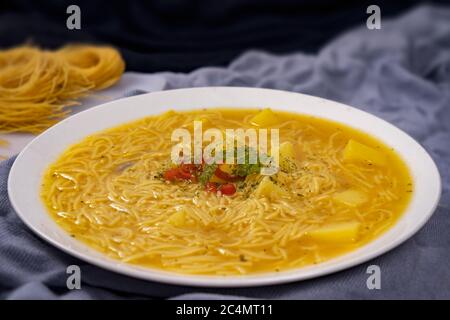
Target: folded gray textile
400	73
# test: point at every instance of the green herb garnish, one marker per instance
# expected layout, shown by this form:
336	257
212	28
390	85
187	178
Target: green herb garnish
245	169
207	173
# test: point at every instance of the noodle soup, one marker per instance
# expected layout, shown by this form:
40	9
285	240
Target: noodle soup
118	191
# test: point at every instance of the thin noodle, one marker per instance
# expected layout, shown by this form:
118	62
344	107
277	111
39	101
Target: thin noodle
107	191
37	86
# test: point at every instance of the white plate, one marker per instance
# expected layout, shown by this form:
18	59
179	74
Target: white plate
26	174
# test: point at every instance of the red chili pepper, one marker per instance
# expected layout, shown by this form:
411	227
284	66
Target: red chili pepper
228	189
183	175
225	176
171	174
188	168
184	172
211	187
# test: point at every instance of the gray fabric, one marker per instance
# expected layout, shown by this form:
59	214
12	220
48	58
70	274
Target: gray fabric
400	73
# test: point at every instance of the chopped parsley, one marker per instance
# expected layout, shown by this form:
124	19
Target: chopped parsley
245	169
207	173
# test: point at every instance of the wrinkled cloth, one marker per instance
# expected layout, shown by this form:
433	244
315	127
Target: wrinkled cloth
400	73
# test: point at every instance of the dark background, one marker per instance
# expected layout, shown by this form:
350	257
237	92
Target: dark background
178	35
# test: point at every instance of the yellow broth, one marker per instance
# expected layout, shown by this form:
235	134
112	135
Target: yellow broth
107	192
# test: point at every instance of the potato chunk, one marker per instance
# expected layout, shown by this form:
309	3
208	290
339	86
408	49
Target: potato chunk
264	118
340	232
178	219
351	197
287	156
270	190
216	179
227	168
358	152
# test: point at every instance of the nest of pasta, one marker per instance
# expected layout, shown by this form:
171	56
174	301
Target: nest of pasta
37	86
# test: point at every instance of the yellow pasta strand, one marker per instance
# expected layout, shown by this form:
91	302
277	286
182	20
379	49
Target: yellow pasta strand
106	191
100	67
37	86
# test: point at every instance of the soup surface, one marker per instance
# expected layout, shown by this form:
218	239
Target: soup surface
119	192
